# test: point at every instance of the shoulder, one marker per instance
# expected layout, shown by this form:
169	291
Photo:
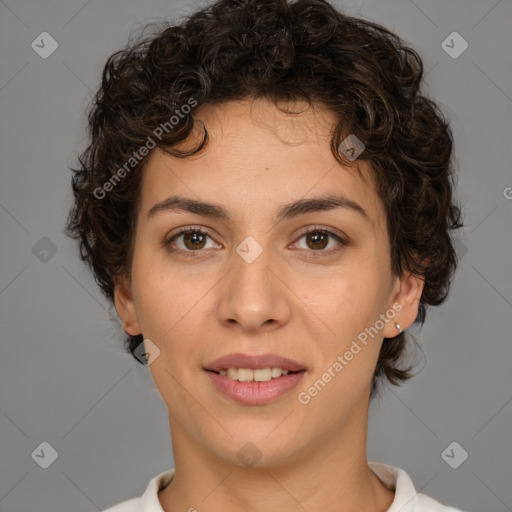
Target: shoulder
407	499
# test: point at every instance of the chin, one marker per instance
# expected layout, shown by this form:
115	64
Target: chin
255	451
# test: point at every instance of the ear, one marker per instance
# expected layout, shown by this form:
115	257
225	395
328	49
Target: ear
125	307
405	297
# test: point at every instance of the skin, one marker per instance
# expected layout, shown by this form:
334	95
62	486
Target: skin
198	308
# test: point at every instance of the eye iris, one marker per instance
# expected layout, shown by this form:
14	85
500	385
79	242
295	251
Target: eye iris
194	235
314	235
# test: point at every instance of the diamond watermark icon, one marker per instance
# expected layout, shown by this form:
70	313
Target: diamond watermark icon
45	455
147	352
44	250
44	45
249	455
454	455
351	147
454	45
249	249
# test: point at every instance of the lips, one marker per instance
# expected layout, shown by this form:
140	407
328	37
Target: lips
253	362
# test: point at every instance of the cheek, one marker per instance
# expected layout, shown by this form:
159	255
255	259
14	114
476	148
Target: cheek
164	293
168	312
349	305
174	310
346	299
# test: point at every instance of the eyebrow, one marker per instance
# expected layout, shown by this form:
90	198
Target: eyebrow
287	211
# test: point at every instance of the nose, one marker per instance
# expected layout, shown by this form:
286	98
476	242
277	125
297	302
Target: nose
254	295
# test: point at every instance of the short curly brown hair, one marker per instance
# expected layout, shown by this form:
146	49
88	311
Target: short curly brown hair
246	49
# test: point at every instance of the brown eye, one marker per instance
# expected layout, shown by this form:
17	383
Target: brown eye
318	239
192	240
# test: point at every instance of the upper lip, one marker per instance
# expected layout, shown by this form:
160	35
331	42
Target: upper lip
254	362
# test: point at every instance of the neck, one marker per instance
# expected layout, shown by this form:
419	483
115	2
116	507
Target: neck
332	475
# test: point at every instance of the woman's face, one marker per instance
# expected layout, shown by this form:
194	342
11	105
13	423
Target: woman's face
254	282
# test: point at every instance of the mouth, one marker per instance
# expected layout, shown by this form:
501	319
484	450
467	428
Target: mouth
254	379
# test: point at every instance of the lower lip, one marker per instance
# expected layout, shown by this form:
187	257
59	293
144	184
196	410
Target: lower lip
256	393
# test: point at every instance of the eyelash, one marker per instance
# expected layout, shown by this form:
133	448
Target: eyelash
315	254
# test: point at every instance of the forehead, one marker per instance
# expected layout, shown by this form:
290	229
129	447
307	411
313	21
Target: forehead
256	156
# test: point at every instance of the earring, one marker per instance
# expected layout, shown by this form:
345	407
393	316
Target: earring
398	327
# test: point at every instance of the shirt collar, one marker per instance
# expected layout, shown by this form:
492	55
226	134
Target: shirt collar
149	501
396	479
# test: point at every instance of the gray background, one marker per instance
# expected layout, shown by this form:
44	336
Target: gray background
64	379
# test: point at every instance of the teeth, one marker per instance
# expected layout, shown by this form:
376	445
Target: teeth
259	375
262	374
232	373
276	372
244	374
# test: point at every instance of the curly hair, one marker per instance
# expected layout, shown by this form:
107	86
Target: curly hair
247	49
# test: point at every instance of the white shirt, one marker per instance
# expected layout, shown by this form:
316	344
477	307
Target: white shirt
406	498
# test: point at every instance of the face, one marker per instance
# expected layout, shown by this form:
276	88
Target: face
305	284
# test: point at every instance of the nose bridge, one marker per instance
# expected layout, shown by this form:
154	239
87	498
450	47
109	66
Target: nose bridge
251	274
252	295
